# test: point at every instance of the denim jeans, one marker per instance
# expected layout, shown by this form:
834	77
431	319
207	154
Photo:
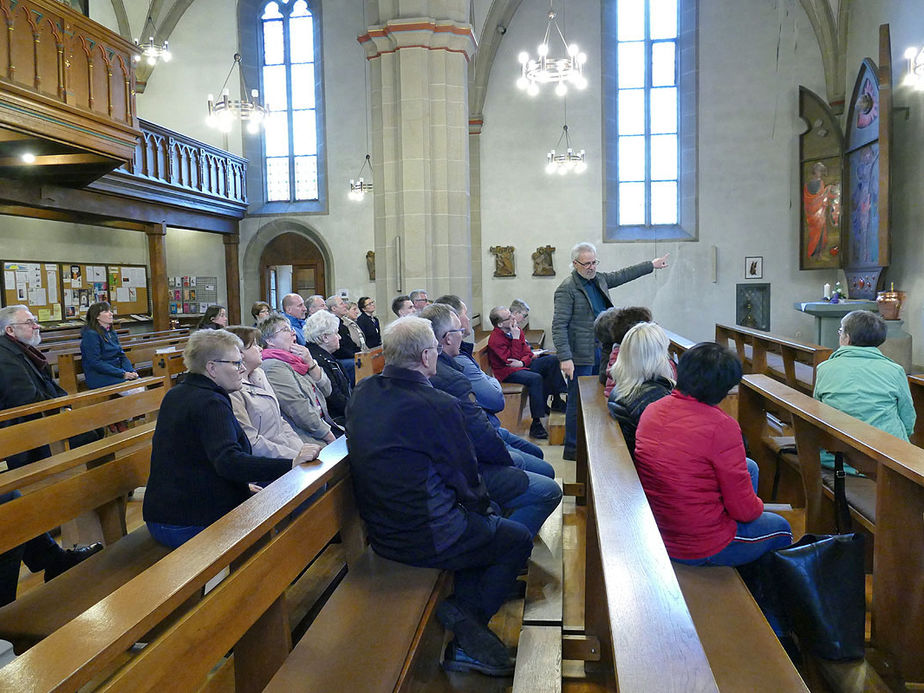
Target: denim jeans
531	463
172	536
542	379
536	503
515	442
768	532
574	393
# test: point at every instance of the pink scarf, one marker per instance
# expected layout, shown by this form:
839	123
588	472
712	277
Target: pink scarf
298	365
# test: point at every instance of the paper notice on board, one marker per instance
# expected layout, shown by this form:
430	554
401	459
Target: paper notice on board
122	294
37	297
44	315
52	286
56	312
96	273
9	280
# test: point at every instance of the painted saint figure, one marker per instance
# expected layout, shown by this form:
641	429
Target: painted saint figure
822	204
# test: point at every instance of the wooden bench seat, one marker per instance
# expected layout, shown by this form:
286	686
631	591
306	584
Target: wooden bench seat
369	362
141	355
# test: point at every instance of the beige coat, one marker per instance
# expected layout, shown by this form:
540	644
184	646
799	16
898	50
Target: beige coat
257	410
301	399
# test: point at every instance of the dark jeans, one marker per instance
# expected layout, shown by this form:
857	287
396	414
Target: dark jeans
349	367
574	393
37	554
515	442
486	560
543	378
172	536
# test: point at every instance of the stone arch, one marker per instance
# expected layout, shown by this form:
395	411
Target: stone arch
269	232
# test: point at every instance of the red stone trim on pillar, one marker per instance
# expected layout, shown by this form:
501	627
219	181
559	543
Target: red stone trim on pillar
232	242
157	252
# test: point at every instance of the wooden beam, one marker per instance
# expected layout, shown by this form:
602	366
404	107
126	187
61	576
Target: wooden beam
13	136
56	160
233	278
158	256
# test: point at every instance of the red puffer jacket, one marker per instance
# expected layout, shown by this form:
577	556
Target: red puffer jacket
501	347
691	462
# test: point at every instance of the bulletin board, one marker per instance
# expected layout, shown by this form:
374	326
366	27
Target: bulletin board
128	289
33	284
82	285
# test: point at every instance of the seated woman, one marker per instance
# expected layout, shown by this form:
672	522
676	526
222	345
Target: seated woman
256	407
643	375
512	361
201	460
368	323
215	318
356	332
610	328
260	312
104	361
300	384
323	338
691	461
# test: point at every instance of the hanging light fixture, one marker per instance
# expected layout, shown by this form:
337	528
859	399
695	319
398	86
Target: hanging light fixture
565	162
546	69
223	112
151	51
358	187
915	75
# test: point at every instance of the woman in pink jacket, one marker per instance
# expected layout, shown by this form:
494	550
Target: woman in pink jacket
691	461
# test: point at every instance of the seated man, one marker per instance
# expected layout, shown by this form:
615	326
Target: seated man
295	311
512	361
528	497
348	348
402	305
422	498
25	378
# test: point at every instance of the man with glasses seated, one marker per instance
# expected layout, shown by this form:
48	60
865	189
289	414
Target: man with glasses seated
202	463
25	378
417	486
579	299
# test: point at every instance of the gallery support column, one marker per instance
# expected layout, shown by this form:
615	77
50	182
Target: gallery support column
157	254
233	277
419	103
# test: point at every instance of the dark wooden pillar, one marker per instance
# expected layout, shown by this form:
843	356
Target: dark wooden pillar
157	252
232	242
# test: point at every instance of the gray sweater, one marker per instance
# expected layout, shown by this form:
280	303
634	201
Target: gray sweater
573	321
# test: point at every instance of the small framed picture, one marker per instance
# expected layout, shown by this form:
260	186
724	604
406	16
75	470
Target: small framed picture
754	267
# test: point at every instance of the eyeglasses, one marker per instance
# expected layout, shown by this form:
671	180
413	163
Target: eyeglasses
237	364
31	323
590	263
840	330
460	331
281	330
438	348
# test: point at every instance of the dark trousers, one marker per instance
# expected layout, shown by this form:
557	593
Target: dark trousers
542	379
486	560
36	553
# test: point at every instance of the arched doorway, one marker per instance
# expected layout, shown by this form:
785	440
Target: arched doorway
291	263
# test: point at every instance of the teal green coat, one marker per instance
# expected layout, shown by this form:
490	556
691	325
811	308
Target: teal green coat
860	381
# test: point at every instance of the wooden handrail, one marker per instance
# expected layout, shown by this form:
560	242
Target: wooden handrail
791	342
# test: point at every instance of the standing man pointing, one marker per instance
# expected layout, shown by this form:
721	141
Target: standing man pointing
579	299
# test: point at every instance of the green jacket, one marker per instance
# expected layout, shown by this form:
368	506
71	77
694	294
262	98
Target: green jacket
860	381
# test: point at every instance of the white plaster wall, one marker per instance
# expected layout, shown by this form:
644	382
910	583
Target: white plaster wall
23	238
748	191
194	253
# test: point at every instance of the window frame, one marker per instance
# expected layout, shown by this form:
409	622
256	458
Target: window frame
250	25
686	227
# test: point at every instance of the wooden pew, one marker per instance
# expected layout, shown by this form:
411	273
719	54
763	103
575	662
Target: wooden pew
516	396
661	627
168	366
898	511
786	359
369	362
678	345
141	355
366	637
916	385
73	335
93	478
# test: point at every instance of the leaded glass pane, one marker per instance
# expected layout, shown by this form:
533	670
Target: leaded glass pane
663	110
663	15
663	66
277	179
303	86
305	132
274	87
300	9
631	64
271	11
630	105
630	20
306	178
631	203
631	158
664	203
276	134
664	157
273	44
301	40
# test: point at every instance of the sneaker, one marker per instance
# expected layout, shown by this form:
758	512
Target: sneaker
537	430
456	659
68	558
569	454
558	405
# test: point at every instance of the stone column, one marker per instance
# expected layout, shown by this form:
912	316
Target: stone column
233	277
418	56
157	253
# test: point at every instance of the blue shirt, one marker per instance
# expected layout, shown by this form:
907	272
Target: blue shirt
297	325
597	302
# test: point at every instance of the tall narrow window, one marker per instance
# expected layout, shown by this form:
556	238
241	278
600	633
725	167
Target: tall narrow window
290	139
651	119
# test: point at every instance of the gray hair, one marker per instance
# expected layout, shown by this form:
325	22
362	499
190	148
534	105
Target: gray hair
518	305
320	324
208	345
452	301
8	315
864	328
272	323
495	315
405	339
582	248
314	299
642	356
440	315
415	294
288	300
331	301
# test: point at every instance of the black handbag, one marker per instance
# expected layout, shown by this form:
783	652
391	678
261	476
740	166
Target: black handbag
821	585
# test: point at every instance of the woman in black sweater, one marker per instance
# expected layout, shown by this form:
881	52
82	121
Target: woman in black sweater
201	460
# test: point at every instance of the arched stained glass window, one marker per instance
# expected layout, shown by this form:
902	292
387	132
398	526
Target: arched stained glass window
289	85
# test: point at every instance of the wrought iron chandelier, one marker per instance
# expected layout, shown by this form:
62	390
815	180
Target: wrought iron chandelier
225	111
358	187
565	162
546	69
151	50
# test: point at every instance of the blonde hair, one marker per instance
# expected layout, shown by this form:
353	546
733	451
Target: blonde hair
207	345
642	356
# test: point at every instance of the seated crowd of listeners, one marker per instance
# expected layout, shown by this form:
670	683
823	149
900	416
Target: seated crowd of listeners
438	481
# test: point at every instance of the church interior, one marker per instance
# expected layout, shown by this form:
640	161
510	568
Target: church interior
368	148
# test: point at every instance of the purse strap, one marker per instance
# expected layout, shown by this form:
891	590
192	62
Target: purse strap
841	508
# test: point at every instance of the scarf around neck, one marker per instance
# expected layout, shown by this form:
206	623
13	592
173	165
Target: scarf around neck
298	365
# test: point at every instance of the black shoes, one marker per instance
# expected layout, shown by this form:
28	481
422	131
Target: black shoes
68	558
537	430
558	405
456	659
475	647
569	454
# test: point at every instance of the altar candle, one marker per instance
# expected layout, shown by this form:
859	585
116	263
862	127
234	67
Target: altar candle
827	290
